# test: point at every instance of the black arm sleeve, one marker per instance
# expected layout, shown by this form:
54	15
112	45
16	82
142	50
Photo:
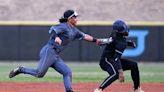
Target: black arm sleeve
131	43
117	56
117	61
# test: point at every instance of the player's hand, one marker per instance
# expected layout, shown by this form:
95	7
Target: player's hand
131	43
98	42
58	40
121	75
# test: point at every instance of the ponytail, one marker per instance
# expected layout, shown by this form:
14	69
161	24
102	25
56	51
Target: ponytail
62	20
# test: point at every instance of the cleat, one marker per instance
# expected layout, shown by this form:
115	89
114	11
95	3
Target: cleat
98	90
15	72
70	91
138	90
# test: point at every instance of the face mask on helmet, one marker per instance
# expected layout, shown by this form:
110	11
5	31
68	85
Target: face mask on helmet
120	27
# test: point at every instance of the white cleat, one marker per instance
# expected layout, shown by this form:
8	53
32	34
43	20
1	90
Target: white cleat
138	90
98	90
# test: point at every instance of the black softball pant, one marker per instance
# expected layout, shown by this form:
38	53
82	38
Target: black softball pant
126	64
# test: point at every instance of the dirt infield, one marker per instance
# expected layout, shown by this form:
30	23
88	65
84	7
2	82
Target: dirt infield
78	87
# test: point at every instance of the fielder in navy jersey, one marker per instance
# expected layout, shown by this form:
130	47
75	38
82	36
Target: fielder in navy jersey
111	60
60	36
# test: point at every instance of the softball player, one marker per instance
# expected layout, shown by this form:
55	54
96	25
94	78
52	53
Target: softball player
60	36
112	62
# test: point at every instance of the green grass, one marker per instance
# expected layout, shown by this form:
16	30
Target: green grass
83	72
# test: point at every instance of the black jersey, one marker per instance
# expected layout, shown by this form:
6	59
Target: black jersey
115	49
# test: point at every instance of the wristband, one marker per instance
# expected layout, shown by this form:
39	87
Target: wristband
94	40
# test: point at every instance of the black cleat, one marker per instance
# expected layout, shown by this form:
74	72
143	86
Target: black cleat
69	91
15	72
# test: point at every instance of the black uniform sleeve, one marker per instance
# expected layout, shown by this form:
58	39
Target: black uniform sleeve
117	56
131	43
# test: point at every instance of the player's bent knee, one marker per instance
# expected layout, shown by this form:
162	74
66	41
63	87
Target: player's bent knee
40	75
117	75
135	65
67	73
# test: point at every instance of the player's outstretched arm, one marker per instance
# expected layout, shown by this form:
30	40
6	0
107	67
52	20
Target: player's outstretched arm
100	41
90	38
131	43
105	41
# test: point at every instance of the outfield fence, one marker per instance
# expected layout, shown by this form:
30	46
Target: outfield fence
23	40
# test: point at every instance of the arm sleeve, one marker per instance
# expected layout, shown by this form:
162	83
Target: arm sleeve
79	35
131	43
117	56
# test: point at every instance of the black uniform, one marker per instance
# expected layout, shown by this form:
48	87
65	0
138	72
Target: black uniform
111	61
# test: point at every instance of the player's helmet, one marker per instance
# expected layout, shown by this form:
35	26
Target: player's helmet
120	27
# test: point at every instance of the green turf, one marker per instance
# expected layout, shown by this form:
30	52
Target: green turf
83	72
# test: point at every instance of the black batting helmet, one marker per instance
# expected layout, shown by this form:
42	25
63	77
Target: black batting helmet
120	26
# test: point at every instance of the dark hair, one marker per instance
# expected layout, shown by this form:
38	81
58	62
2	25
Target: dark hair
67	14
62	20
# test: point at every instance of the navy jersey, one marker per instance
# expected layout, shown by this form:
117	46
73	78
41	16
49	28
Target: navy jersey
66	33
115	49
